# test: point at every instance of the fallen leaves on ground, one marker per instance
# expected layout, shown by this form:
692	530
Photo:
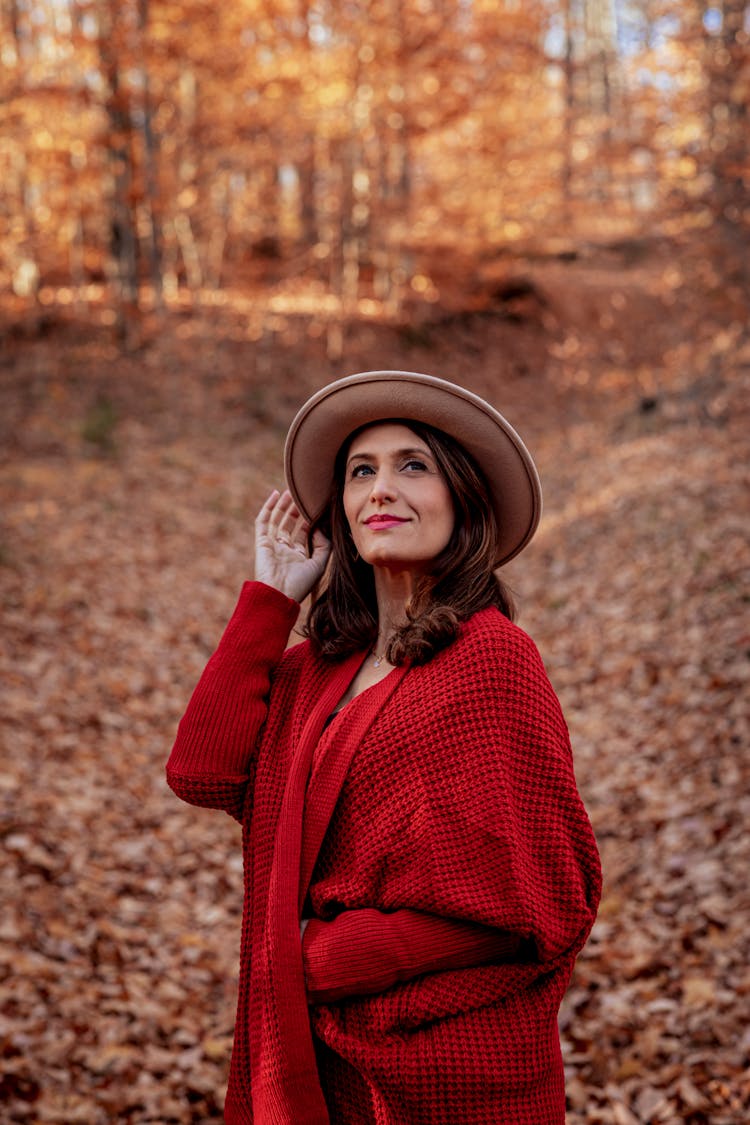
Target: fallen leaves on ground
121	561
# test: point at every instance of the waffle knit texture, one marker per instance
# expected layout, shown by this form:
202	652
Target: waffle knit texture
434	835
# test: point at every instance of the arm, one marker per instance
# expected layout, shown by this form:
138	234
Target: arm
367	951
216	737
211	758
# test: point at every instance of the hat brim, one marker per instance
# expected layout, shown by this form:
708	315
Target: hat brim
328	418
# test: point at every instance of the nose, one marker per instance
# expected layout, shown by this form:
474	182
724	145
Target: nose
383	487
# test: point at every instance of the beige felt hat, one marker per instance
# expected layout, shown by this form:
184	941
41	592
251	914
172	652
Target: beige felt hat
328	418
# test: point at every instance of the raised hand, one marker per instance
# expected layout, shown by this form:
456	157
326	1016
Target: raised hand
282	559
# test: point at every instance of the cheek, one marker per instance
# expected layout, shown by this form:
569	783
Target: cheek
445	510
350	507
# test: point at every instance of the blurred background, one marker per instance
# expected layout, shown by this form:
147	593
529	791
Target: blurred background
207	211
154	152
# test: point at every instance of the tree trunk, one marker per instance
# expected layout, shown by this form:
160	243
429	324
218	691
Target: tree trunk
150	154
568	112
307	195
122	223
727	61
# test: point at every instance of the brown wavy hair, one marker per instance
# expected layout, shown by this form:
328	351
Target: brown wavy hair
343	618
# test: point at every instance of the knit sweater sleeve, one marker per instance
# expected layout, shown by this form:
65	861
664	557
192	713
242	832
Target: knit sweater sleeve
212	755
528	853
362	952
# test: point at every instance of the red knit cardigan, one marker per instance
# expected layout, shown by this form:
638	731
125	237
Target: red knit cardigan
434	834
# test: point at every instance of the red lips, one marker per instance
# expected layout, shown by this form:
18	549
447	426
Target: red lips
384	520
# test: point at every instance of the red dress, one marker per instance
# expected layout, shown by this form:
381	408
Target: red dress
435	833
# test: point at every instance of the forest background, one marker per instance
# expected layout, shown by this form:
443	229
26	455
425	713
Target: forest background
207	211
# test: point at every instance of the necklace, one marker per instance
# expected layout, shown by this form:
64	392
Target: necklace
377	660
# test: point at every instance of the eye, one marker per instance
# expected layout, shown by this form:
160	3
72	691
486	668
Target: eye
414	464
362	470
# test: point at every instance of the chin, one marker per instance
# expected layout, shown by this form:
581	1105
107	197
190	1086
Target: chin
398	562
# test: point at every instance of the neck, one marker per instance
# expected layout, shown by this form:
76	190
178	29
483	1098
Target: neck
393	590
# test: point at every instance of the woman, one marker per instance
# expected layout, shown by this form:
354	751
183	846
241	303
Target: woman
420	871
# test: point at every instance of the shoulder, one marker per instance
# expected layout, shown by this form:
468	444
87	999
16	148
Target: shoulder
301	669
490	634
490	688
297	660
502	663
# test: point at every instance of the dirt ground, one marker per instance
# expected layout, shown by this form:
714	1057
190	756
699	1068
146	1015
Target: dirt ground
128	486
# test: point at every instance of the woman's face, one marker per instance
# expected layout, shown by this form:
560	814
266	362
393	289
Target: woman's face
396	499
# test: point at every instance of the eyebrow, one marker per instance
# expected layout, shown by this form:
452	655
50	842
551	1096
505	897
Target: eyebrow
409	452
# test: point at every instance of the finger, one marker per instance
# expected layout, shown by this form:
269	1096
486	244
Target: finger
290	520
301	525
278	522
266	511
321	546
301	536
284	504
